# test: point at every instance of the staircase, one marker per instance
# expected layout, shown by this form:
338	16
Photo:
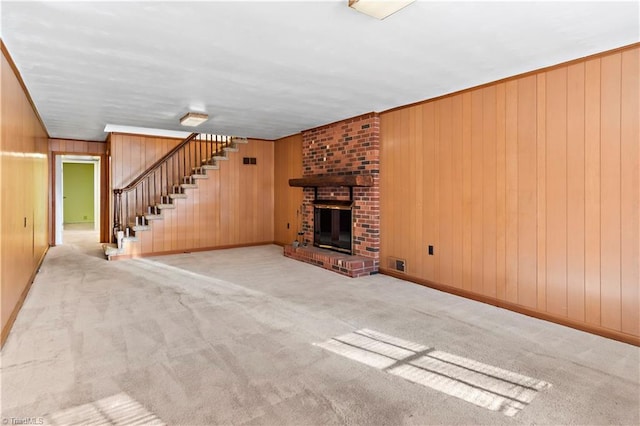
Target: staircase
140	203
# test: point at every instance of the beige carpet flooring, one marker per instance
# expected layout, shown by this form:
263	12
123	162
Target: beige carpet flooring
231	337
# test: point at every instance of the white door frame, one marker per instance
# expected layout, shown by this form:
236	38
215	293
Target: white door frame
59	214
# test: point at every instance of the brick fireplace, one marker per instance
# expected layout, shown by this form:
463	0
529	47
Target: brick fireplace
346	148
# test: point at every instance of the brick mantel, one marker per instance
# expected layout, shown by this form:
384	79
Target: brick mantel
346	148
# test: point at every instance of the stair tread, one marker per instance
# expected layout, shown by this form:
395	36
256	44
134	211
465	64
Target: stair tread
200	176
153	216
174	196
137	228
188	185
111	249
166	206
210	167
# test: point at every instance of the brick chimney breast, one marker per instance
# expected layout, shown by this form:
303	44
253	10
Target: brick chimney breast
348	147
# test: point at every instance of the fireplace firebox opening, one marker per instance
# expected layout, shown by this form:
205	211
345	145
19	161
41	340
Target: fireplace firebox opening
333	226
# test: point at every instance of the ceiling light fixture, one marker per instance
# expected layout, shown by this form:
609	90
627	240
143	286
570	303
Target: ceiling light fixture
379	9
193	119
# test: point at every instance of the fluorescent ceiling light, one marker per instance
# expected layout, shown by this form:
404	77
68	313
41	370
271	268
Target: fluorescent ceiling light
379	9
193	119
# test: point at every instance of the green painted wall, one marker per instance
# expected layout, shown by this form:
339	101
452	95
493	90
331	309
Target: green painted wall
77	190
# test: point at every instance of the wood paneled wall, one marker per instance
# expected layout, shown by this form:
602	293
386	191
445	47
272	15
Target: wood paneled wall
130	155
133	154
288	200
23	186
234	206
529	191
72	146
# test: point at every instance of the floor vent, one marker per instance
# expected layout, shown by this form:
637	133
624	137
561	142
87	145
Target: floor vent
397	264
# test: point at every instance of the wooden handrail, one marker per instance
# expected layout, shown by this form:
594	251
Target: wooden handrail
157	164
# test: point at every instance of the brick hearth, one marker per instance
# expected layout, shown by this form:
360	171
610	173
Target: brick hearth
351	266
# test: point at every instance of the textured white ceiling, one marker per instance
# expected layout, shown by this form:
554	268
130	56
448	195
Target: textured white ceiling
270	69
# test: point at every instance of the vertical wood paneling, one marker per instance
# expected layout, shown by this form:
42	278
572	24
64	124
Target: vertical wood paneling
413	218
528	189
630	191
214	227
403	222
541	200
527	192
264	191
233	184
287	165
575	192
592	192
445	246
24	187
489	188
467	224
396	236
556	192
430	221
610	235
386	244
435	188
159	232
501	196
77	147
511	226
196	204
136	165
477	169
457	192
418	266
389	216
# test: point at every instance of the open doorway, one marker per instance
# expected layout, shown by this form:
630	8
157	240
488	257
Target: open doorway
77	199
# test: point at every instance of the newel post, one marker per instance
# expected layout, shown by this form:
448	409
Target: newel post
117	210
